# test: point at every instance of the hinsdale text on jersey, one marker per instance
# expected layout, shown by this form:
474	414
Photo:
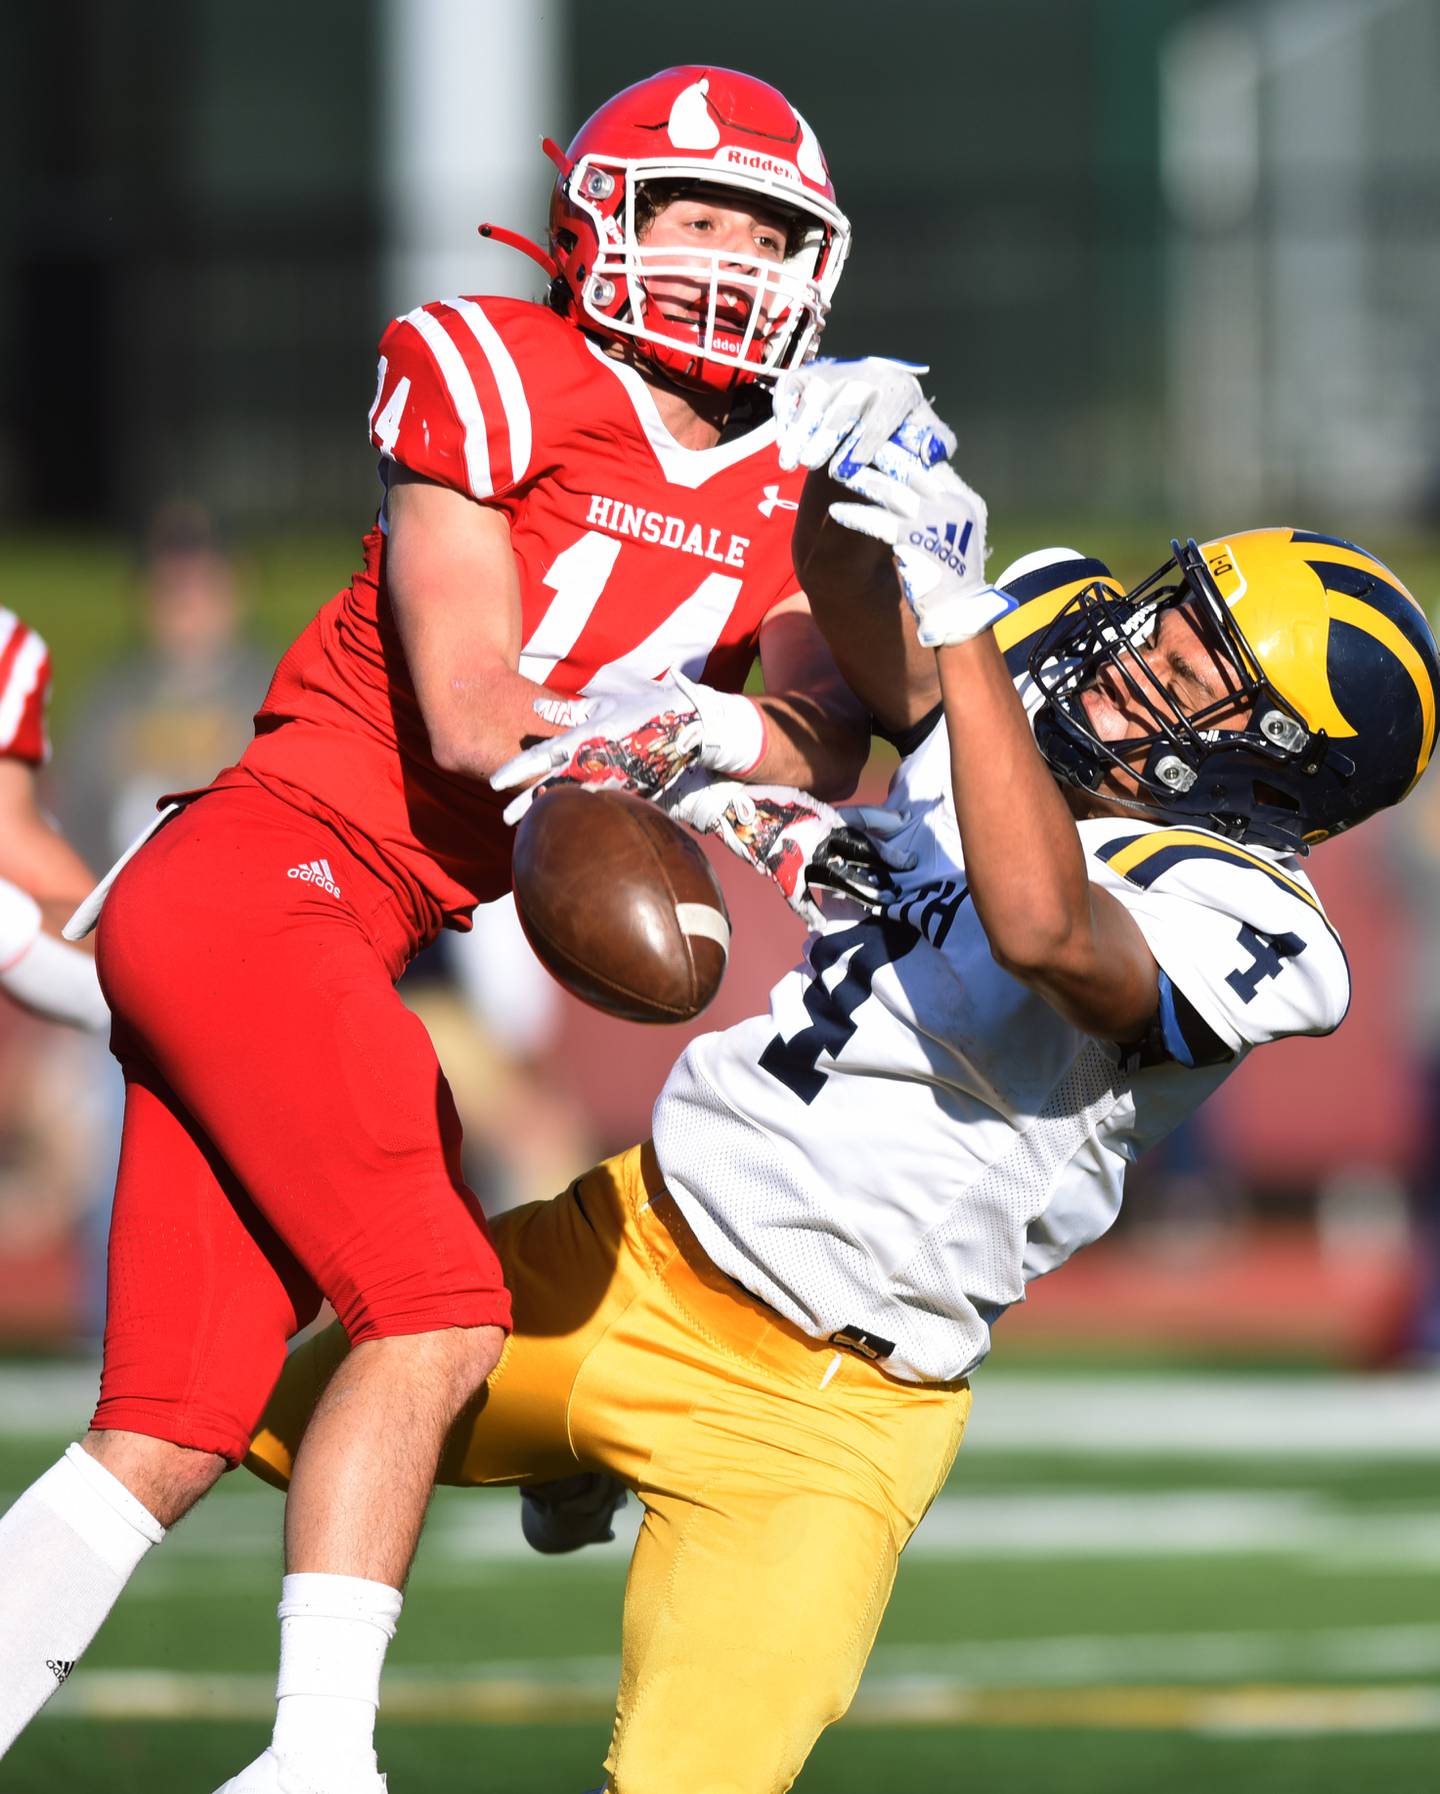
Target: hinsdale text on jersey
623	519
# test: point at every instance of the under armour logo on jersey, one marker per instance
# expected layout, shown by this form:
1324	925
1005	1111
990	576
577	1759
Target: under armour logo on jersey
773	502
59	1667
316	872
947	545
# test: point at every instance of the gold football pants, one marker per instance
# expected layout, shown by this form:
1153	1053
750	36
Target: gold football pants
780	1477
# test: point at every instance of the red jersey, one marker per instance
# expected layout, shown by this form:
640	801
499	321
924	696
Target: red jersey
24	692
635	556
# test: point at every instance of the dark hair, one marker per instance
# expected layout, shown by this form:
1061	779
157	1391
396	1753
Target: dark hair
180	527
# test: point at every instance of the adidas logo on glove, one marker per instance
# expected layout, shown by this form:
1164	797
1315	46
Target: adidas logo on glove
948	545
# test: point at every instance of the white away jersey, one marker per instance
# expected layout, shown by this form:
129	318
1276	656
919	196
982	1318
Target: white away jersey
911	1134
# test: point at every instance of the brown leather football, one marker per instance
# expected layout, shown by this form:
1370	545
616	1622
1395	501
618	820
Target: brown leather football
620	904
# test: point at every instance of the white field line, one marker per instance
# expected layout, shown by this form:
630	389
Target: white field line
483	1533
916	1678
883	1700
240	1527
1219	1657
1185	1414
1208	1416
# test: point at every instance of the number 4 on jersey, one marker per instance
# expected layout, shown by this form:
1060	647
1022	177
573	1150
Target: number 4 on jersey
1267	953
872	944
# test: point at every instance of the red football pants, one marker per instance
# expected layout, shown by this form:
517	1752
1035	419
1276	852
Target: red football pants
288	1131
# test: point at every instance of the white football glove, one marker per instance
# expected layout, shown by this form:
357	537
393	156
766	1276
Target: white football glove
789	836
852	414
639	741
935	524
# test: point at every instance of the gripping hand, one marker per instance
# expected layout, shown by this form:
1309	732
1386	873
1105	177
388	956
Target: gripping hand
639	742
852	414
793	838
935	524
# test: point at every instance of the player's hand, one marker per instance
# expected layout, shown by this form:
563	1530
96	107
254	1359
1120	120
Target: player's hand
848	415
804	845
639	741
935	524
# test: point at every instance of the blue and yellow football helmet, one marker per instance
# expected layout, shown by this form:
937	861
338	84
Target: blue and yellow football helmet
1335	671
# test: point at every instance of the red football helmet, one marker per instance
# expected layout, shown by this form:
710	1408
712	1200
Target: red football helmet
712	128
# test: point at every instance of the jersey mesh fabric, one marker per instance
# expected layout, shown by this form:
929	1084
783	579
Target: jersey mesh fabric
1011	1197
971	1263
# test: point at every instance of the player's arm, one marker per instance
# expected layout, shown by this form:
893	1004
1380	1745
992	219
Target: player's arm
816	731
808	729
42	879
858	607
455	593
1047	924
835	418
34	855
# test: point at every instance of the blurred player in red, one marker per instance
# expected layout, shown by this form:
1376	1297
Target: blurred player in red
579	496
42	878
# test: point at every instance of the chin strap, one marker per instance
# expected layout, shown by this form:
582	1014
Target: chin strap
513	240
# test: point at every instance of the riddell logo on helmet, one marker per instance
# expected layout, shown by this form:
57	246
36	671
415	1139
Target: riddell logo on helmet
752	159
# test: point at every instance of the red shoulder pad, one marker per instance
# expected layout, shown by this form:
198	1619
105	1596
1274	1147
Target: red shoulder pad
24	691
462	390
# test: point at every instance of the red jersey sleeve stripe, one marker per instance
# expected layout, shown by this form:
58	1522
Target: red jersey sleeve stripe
508	384
463	396
24	685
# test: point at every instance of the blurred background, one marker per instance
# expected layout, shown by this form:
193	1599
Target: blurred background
1176	266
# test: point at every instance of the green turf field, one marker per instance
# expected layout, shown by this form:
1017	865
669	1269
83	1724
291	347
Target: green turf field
1171	1583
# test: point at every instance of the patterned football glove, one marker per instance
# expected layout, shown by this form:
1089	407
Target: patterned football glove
935	524
848	415
639	742
789	836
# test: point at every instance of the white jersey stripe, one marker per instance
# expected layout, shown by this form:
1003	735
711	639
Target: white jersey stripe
507	379
9	623
20	686
463	396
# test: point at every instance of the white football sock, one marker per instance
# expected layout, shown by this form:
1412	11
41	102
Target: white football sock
333	1635
67	1548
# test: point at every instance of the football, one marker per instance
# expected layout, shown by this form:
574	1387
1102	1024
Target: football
620	904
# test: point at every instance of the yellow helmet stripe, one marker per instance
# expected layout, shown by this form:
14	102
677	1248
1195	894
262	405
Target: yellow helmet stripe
1167	839
1029	619
1372	622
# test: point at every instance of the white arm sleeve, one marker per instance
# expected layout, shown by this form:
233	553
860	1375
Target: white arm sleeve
45	975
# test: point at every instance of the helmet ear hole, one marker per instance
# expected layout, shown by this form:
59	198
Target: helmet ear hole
1274	798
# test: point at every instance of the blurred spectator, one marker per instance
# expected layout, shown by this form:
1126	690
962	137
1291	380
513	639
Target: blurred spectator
169	716
525	1134
523	1138
1414	838
53	1110
165	718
